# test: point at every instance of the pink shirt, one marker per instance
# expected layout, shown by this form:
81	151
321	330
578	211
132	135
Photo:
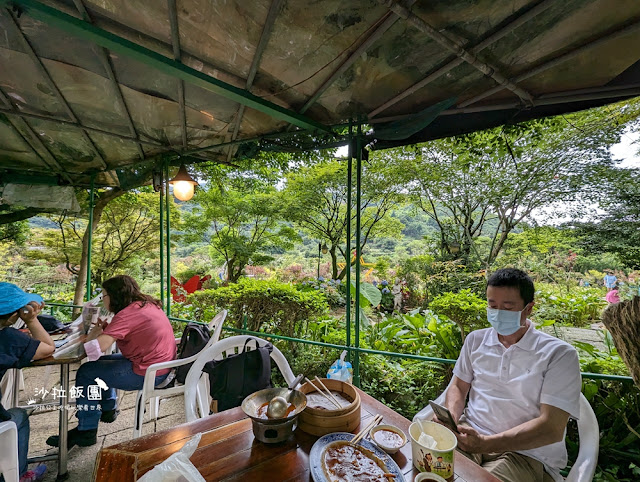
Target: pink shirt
612	297
144	335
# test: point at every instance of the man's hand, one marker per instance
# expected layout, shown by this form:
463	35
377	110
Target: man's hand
29	312
471	441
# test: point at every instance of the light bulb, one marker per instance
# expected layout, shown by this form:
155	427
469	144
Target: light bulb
183	190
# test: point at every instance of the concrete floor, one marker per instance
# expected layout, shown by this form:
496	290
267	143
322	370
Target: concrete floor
81	460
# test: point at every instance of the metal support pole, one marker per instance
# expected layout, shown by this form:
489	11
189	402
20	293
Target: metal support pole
90	228
63	422
348	248
168	211
319	249
356	361
162	181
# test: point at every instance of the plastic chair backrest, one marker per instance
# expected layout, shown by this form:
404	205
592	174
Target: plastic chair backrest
585	465
218	351
9	451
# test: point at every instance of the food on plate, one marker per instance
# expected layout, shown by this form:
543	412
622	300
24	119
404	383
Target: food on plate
317	400
344	462
388	438
262	410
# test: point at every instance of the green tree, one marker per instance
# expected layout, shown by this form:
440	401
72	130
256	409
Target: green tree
317	203
125	236
478	187
241	218
617	230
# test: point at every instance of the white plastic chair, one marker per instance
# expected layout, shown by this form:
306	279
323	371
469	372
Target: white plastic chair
222	349
153	394
9	451
585	465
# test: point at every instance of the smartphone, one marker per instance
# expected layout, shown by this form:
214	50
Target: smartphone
444	415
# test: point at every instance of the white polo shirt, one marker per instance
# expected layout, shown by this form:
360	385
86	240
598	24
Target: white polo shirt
509	384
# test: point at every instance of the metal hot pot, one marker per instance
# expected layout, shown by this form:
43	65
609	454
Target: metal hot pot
277	429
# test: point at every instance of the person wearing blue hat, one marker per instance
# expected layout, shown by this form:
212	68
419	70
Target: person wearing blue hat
19	349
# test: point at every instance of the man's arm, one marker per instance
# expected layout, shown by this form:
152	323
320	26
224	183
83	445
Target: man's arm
29	315
456	398
545	429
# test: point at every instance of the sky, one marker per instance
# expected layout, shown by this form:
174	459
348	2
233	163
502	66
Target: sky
628	152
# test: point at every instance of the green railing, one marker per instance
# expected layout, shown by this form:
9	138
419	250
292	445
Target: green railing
446	361
350	349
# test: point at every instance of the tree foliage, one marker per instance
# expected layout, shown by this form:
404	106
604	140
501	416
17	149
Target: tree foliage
317	203
480	186
617	229
126	234
241	218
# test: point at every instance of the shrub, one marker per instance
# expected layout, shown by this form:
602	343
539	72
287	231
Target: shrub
277	306
579	307
432	278
333	290
464	308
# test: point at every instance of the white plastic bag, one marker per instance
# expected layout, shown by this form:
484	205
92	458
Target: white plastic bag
178	467
341	370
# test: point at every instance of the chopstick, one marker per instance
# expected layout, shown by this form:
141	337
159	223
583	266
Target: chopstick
376	420
335	400
321	392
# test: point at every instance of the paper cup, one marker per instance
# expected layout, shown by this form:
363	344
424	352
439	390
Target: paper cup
437	461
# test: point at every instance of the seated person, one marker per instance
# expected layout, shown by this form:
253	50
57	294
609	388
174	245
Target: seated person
17	350
144	336
612	296
522	386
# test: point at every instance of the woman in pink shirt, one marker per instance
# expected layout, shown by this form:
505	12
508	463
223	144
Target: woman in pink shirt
143	335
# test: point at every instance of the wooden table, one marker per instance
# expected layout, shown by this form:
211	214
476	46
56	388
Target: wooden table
228	451
63	362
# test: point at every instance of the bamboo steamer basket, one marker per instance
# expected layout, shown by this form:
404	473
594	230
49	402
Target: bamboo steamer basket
318	422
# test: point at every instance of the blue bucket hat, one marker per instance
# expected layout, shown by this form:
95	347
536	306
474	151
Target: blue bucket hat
13	298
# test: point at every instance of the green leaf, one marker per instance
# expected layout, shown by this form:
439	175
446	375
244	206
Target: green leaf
369	294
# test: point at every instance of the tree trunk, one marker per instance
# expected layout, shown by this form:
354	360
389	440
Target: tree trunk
101	203
623	322
334	262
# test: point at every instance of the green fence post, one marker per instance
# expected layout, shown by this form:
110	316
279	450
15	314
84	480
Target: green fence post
90	228
168	211
162	181
356	360
348	250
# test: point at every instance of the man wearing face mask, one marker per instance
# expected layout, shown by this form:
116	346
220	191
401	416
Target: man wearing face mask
522	387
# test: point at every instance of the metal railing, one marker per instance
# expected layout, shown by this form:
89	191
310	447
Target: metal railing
351	349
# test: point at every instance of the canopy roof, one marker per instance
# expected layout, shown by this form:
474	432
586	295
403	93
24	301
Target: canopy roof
94	86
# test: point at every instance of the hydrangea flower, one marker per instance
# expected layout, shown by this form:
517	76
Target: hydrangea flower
320	278
375	283
384	282
385	290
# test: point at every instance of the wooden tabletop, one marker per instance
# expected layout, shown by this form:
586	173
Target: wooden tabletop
228	451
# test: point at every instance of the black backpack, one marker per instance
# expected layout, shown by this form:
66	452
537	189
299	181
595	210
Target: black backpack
233	378
194	338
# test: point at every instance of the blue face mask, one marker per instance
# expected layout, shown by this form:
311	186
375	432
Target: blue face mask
503	321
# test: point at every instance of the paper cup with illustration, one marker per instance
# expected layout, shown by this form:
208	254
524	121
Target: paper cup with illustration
433	448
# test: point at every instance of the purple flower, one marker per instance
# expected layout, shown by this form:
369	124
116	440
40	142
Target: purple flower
385	290
384	282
